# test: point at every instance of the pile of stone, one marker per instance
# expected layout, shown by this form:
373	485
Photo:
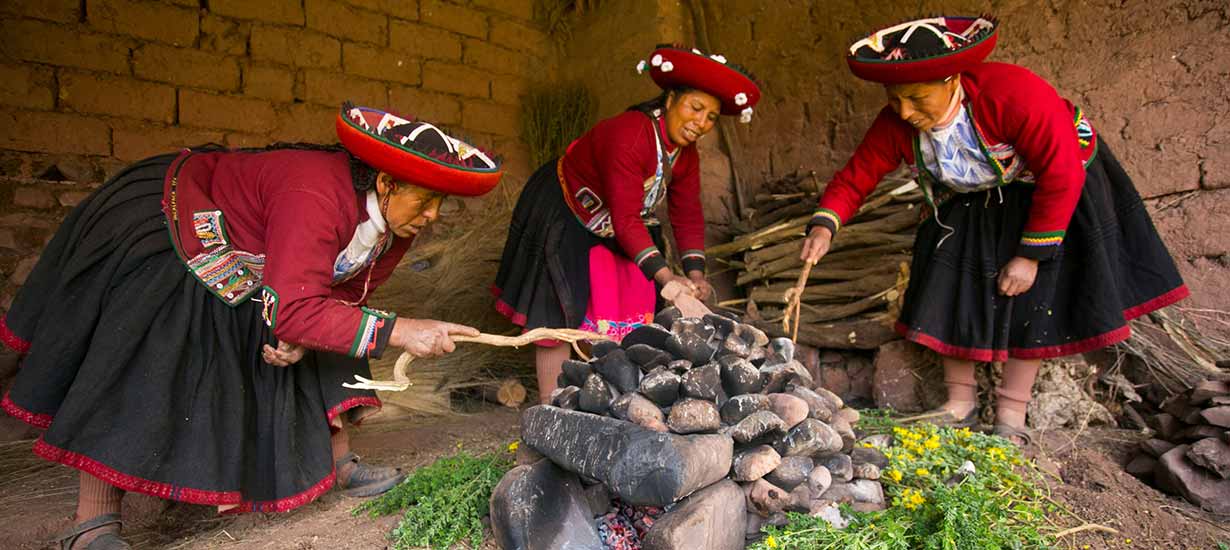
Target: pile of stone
710	425
1190	453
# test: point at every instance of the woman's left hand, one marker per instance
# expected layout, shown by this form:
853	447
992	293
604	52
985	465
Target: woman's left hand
285	355
701	287
1017	277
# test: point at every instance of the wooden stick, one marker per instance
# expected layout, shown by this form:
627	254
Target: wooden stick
401	382
793	297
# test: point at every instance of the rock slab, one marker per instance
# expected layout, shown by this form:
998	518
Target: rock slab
542	507
714	518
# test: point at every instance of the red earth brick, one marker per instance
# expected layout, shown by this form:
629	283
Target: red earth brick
54	133
186	67
27	86
146	20
308	123
268	82
138	141
337	19
40	42
520	37
508	89
222	35
455	79
114	95
466	21
63	11
274	11
205	110
401	9
432	107
333	89
495	59
491	118
522	9
381	64
295	47
424	41
33	197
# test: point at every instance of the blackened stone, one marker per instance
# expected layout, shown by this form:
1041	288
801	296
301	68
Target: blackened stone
642	467
689	416
868	455
619	371
648	358
599	499
756	426
754	337
817	407
800	499
782	347
1196	433
735	346
764	498
576	372
595	396
739	376
845	432
1156	447
713	518
703	382
542	507
667	316
567	398
693	328
601	348
792	472
722	326
740	406
775	377
1207	390
690	347
839	465
651	335
661	387
679	366
757	356
754	463
809	438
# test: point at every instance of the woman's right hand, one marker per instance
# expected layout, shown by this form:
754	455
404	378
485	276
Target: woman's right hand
427	337
665	277
817	244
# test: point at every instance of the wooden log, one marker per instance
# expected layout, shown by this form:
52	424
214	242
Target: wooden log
777	267
844	271
851	239
509	393
859	333
857	289
812	314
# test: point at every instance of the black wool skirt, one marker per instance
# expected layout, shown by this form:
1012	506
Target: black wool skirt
544	278
144	379
1111	268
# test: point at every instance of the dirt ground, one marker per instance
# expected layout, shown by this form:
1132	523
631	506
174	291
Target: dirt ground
1087	485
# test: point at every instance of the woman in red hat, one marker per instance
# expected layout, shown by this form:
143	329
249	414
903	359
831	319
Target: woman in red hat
1036	245
584	249
187	331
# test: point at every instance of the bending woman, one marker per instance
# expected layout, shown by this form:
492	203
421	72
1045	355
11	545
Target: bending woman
1037	245
187	331
584	248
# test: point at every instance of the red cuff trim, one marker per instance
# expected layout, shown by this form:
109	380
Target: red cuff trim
12	341
40	421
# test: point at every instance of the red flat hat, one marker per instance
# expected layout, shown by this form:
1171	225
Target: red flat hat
416	152
923	50
672	67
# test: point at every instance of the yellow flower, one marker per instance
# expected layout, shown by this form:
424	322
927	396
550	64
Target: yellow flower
996	453
1127	541
922	472
771	542
1085	547
894	474
932	443
512	447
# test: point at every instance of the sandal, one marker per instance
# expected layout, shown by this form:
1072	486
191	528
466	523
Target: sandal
1019	437
944	418
367	481
105	541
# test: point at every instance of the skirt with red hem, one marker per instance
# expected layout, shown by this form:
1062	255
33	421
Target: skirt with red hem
1111	268
144	379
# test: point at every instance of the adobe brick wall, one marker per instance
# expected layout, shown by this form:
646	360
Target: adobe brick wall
87	86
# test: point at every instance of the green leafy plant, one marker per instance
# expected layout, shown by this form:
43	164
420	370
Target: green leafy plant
937	502
444	502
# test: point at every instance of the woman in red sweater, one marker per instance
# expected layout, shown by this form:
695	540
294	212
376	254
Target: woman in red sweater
584	248
187	331
1036	244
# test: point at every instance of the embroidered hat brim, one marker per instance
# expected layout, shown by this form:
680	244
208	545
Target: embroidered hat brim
677	67
416	152
886	57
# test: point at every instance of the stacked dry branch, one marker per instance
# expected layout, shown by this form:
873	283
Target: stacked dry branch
851	296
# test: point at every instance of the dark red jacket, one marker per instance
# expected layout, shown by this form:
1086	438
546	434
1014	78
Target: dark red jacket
267	226
1019	117
607	172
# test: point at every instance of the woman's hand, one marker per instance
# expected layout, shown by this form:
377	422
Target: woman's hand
702	290
285	355
817	244
1017	277
427	337
665	277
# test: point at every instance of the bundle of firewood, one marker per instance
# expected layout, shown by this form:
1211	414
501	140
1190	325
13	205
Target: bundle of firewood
852	295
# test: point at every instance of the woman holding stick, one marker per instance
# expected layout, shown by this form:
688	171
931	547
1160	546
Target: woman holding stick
584	248
187	331
1036	245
